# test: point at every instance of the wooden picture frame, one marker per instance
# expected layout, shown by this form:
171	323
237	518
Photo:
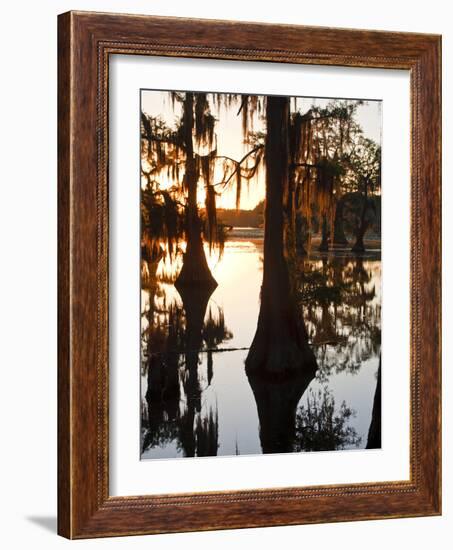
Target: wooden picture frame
85	41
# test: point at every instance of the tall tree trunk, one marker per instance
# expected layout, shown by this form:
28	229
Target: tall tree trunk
324	245
301	235
359	245
195	270
339	237
280	346
290	218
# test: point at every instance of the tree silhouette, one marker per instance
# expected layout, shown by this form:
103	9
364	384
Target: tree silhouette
319	173
188	156
280	344
364	162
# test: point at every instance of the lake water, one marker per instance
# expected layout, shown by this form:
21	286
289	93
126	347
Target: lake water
196	397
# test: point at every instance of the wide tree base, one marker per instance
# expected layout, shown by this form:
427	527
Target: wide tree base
208	283
196	278
301	251
340	242
324	246
278	360
358	248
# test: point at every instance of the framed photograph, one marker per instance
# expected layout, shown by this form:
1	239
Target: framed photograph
249	275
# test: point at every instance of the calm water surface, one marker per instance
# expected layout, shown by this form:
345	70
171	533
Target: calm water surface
196	397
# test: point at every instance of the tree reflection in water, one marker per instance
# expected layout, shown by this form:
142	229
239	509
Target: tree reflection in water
320	426
342	315
296	411
342	311
276	401
176	335
317	319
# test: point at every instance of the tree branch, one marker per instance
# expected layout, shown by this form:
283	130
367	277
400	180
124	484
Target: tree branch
238	164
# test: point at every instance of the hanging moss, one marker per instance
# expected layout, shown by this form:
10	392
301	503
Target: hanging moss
161	222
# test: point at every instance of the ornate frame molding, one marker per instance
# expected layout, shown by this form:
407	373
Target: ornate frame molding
86	40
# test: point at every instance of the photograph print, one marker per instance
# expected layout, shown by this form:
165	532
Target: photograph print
260	269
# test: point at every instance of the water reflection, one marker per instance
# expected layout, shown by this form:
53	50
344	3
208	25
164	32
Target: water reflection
342	305
320	426
198	400
276	401
175	334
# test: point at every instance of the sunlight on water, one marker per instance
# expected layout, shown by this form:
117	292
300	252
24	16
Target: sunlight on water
196	397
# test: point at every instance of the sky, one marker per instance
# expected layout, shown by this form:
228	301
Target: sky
230	141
